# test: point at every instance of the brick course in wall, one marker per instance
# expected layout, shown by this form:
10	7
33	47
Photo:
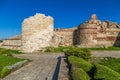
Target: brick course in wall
37	33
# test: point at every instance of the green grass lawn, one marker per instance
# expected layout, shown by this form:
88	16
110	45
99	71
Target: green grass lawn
9	51
7	59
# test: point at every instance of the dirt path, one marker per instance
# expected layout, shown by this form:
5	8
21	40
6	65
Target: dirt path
115	54
43	67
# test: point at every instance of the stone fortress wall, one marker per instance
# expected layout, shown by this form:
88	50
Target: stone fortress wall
63	37
92	33
95	33
38	32
12	43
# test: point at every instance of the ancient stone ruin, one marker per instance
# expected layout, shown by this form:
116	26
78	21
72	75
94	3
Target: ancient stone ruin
94	33
38	32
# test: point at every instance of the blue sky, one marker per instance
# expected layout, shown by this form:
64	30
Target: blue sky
66	13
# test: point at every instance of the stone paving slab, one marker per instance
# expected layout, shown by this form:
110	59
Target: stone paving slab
63	72
115	54
42	67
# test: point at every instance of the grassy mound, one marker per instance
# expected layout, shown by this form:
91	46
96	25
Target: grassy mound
113	63
104	73
80	63
80	74
81	53
58	49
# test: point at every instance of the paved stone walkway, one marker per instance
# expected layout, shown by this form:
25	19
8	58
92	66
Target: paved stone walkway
115	54
43	67
63	72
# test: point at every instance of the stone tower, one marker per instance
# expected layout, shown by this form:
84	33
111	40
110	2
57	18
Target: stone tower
88	32
37	31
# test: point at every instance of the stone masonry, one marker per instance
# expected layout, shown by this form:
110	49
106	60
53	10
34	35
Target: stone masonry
94	33
38	32
12	43
63	37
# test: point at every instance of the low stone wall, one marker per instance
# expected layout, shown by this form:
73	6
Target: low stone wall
63	37
17	65
11	44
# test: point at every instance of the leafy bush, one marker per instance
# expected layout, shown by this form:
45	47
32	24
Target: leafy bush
49	49
80	63
80	74
81	53
5	71
58	49
104	73
71	50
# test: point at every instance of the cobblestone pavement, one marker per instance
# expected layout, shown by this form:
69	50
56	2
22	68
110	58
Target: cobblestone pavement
115	54
42	67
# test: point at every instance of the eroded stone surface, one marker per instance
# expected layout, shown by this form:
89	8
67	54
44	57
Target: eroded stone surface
94	33
37	31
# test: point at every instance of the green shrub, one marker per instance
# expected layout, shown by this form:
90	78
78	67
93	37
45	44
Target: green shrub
58	49
49	49
111	63
80	74
85	54
81	53
5	71
72	51
80	63
104	73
